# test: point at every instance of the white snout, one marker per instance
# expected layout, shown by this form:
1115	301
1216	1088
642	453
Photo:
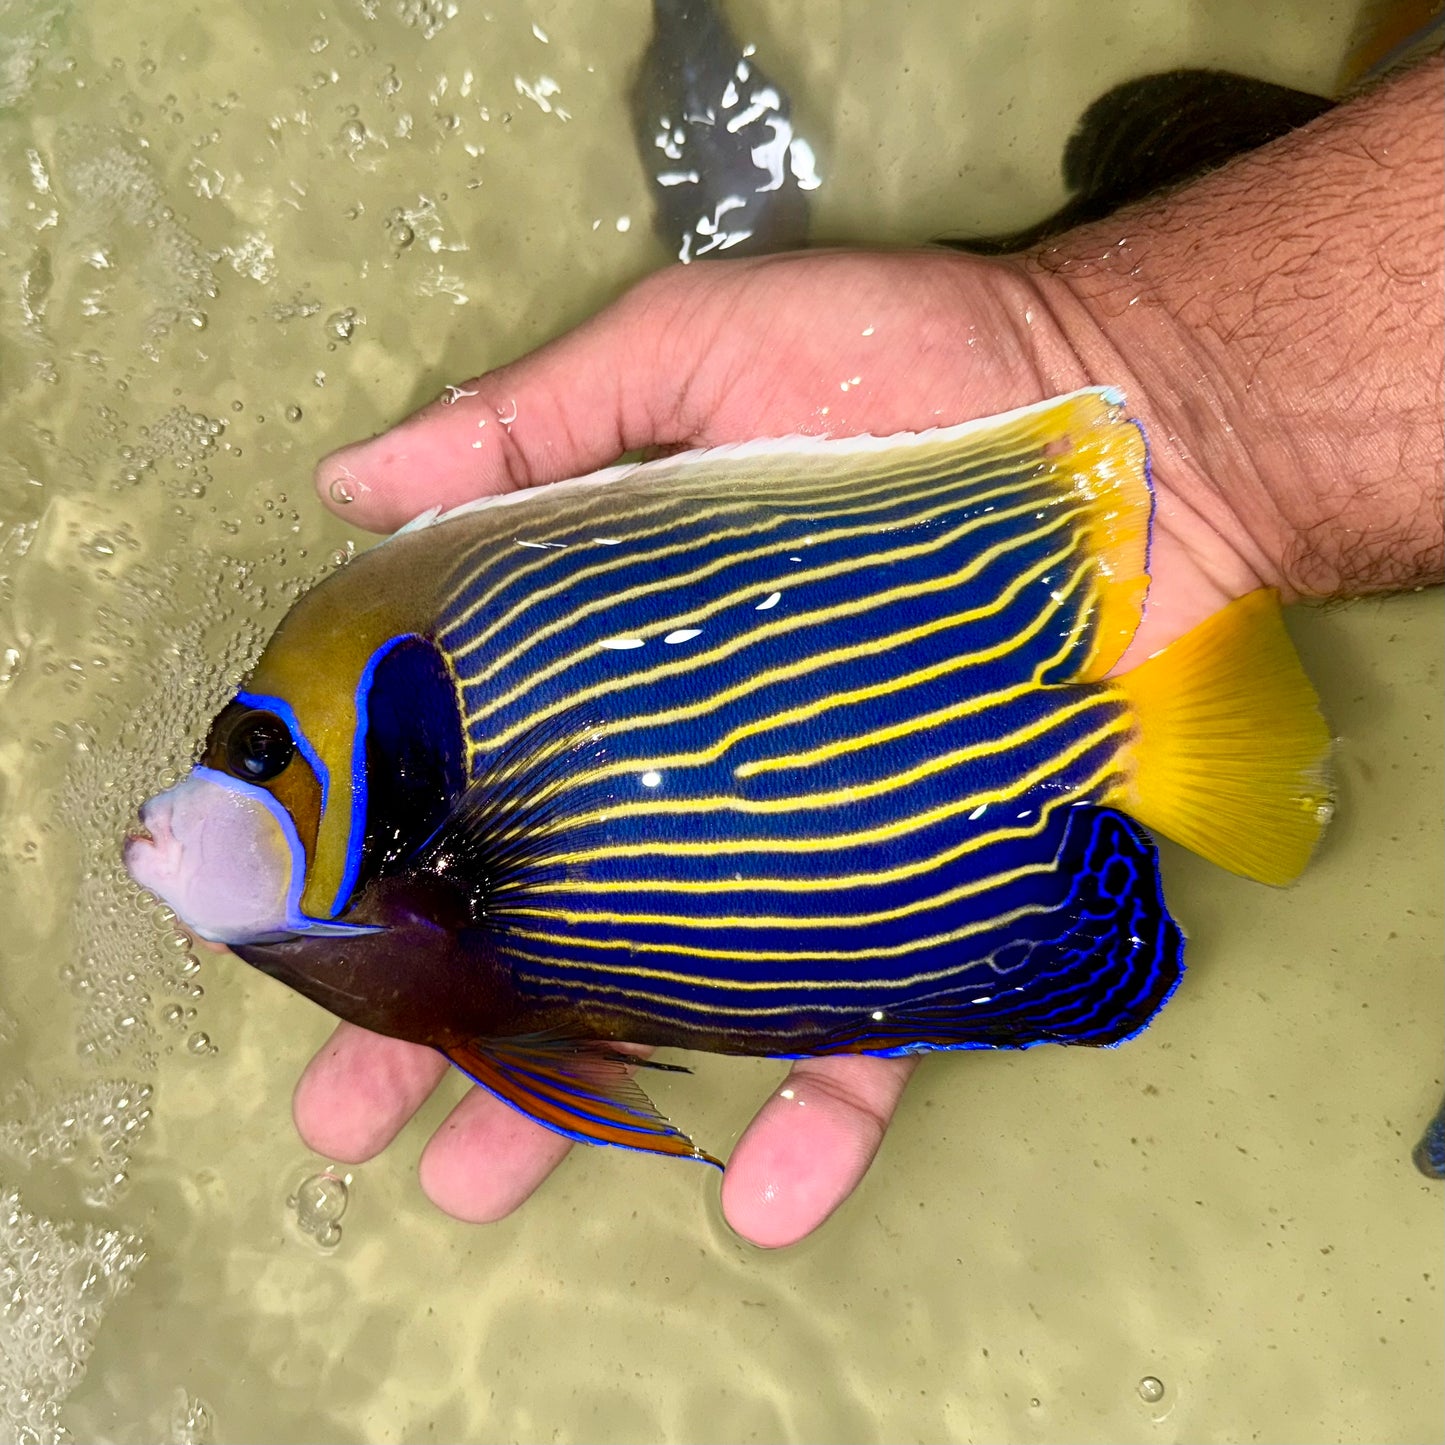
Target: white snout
224	854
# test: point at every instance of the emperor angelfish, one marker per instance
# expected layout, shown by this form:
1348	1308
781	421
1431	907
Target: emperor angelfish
789	748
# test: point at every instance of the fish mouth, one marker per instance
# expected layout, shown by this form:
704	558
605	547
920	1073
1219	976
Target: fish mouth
139	833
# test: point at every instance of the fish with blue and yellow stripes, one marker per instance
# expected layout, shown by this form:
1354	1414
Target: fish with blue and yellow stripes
789	748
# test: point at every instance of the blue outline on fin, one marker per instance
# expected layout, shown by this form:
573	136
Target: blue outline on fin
1153	507
581	1091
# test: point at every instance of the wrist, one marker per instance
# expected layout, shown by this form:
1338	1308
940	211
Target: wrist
1278	327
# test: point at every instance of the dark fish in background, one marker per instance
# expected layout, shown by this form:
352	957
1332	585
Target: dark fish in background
1155	132
715	133
1161	130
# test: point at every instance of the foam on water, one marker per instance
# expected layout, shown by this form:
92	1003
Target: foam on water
56	1284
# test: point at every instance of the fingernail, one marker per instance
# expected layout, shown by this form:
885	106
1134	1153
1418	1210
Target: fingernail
339	476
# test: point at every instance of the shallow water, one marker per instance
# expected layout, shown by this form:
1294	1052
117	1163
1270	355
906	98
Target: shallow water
227	247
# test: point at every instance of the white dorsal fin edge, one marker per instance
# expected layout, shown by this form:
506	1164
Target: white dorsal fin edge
794	445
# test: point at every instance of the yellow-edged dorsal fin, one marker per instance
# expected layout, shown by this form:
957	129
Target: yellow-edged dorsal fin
1230	754
1099	454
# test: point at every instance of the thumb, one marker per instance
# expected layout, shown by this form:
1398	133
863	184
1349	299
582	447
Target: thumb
617	383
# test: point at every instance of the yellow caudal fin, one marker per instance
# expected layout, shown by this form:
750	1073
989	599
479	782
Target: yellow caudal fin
1230	754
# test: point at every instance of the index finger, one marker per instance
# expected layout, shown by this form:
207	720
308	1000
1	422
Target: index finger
613	385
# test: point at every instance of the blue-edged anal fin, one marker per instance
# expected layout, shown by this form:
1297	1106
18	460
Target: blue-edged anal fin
583	1091
1092	969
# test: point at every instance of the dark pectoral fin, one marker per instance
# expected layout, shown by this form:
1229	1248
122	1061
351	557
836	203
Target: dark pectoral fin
580	1090
499	830
1093	969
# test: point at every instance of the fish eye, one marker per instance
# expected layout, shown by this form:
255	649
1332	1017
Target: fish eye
258	747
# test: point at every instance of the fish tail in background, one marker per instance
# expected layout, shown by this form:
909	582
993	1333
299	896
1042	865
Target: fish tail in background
1430	1151
1154	132
1230	754
716	137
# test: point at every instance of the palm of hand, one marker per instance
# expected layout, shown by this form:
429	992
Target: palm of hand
832	342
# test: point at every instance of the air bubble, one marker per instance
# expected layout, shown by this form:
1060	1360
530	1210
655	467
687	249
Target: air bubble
190	1420
293	413
1151	1389
341	324
321	1199
318	1202
200	1043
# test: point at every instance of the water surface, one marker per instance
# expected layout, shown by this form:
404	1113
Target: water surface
230	243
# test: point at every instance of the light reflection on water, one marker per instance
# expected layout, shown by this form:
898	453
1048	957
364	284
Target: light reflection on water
226	250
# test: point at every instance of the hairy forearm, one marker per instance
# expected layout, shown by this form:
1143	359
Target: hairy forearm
1284	320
